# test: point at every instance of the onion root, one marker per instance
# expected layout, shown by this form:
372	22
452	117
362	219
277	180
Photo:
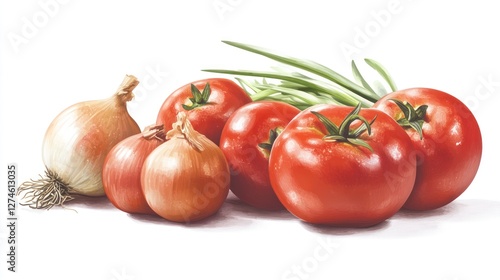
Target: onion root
45	192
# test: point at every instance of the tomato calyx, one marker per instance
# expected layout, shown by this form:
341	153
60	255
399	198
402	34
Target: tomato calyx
199	98
344	133
273	134
413	117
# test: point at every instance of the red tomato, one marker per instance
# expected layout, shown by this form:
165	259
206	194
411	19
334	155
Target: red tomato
246	143
323	180
207	108
450	150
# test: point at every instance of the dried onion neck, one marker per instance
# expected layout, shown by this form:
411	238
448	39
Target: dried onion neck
75	146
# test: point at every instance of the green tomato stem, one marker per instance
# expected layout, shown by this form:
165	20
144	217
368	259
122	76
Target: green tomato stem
343	132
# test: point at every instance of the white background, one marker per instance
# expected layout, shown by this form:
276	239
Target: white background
54	55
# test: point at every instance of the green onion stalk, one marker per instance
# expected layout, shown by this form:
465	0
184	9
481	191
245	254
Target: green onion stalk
318	85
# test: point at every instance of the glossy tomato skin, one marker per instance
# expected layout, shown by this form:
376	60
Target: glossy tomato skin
449	153
226	96
244	131
337	183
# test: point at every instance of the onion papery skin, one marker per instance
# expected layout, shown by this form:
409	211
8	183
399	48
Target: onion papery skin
182	184
121	175
75	146
79	138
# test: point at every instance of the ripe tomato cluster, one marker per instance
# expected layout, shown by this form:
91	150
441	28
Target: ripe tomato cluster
358	168
340	165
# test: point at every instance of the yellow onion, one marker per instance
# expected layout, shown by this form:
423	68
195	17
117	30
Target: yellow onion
75	146
185	179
